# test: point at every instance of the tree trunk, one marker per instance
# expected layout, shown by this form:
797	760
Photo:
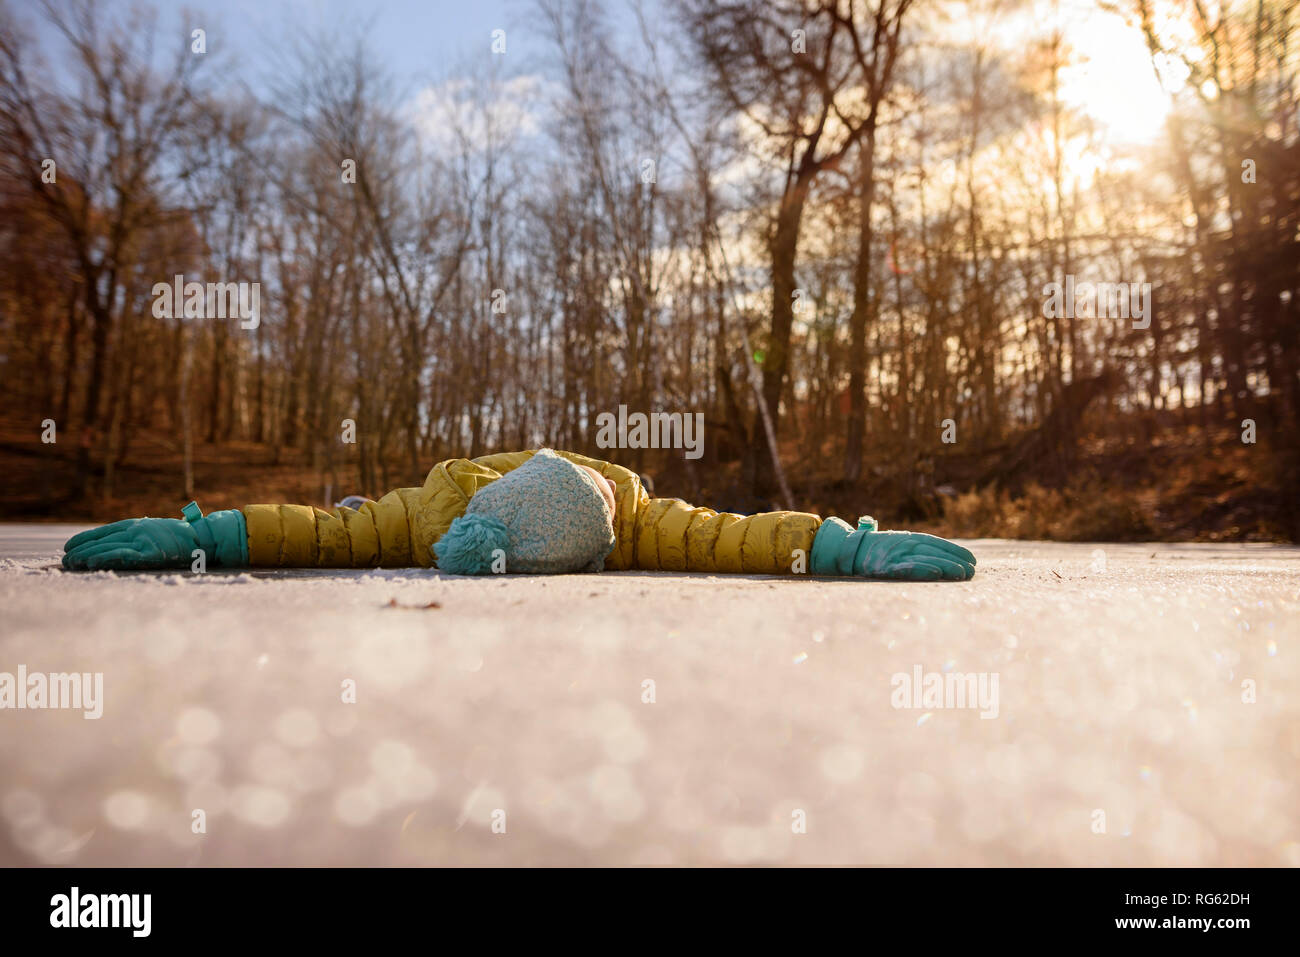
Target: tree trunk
861	306
783	248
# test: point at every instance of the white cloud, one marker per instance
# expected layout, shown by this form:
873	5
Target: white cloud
463	111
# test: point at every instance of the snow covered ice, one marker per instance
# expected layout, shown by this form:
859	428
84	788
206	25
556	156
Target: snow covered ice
1147	714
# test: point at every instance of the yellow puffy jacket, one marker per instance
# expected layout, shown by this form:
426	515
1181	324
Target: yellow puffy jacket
398	531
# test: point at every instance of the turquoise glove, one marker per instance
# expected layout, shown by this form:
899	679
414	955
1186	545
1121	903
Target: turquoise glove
136	543
870	553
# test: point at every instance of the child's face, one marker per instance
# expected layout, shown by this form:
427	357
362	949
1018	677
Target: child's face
606	486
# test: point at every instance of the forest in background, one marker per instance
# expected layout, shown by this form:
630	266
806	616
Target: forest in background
826	226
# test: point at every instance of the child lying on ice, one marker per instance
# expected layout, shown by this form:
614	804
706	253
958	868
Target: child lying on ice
531	512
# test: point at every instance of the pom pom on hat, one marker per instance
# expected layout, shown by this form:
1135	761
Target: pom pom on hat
467	547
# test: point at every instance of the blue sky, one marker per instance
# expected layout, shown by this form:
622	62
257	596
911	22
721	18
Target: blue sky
421	41
417	39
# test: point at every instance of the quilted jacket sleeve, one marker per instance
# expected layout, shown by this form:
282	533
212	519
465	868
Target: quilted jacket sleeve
674	536
397	531
301	536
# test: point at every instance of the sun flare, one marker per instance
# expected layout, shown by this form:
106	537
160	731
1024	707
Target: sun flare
1113	80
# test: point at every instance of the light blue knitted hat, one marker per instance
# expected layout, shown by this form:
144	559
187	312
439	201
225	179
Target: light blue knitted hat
546	516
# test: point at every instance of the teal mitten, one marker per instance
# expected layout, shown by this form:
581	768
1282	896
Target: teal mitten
870	553
136	543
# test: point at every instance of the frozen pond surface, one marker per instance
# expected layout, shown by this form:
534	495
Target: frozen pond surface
1146	703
